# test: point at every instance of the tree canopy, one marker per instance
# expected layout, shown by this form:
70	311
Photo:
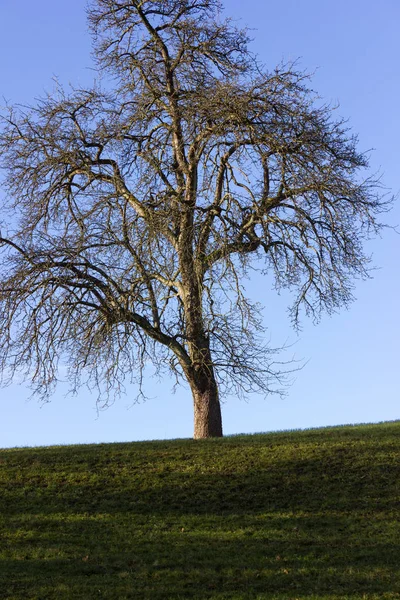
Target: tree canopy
135	209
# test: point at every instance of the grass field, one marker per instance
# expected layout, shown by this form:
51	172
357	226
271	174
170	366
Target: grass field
298	515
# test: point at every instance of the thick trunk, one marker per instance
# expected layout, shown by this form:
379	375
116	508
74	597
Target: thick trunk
207	408
200	374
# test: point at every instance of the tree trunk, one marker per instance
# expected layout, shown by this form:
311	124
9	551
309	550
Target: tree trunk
207	408
200	373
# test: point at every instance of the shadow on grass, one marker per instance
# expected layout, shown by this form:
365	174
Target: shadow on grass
176	564
204	521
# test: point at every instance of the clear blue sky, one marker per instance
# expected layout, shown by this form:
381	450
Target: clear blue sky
353	368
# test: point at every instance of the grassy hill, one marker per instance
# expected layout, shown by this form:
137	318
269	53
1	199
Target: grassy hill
298	515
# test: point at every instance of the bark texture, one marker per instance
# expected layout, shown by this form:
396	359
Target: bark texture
207	408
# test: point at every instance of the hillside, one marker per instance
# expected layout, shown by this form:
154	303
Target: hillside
298	515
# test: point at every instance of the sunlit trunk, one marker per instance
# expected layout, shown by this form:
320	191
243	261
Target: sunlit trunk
207	408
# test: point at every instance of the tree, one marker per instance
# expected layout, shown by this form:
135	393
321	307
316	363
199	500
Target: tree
138	207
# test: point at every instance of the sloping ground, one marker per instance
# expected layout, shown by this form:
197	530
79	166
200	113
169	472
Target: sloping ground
299	515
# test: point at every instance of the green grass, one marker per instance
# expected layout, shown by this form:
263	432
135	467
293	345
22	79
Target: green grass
294	515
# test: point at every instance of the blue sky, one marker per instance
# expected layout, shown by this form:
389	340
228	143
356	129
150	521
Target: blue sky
352	373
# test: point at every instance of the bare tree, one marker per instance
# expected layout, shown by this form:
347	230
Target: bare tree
135	209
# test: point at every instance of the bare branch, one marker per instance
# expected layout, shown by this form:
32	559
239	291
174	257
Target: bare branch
136	213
